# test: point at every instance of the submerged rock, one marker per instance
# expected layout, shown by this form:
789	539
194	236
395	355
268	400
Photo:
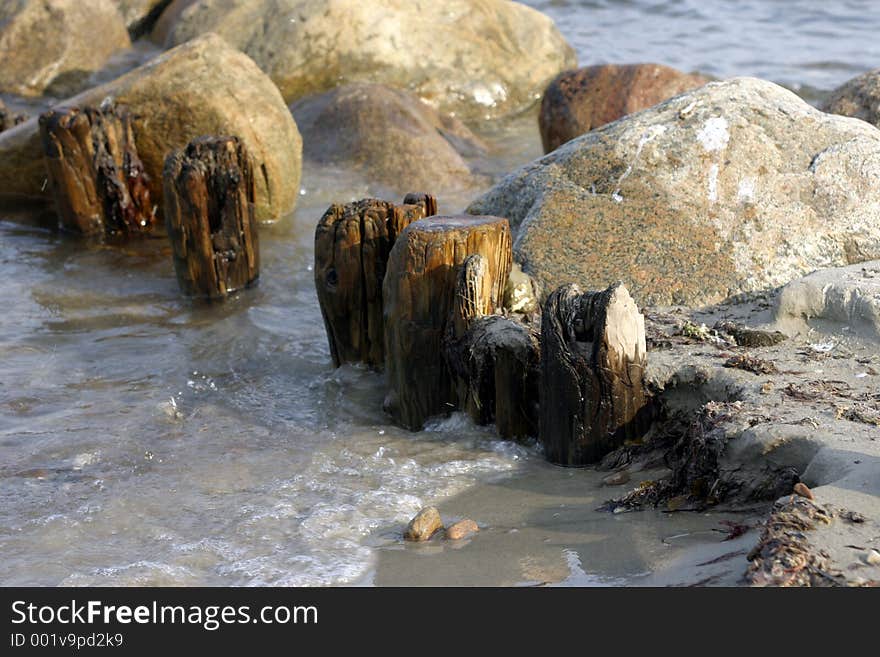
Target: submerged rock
734	187
390	134
424	525
584	99
859	97
846	295
50	45
204	87
472	57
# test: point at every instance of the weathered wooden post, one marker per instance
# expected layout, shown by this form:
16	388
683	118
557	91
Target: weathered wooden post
95	174
209	214
493	358
593	358
352	243
419	295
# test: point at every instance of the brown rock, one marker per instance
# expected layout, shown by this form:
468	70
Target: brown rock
859	97
584	99
802	490
389	134
424	525
204	87
51	43
461	529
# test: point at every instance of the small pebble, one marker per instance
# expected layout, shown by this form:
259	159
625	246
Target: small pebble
802	490
424	525
461	529
873	558
616	478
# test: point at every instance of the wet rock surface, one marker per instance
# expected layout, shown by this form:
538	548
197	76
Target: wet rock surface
461	529
734	187
424	525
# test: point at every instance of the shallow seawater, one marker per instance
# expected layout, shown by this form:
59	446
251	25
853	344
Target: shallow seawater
147	439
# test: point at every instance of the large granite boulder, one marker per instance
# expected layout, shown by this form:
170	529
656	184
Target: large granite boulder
390	135
859	97
583	99
204	87
733	187
476	58
51	45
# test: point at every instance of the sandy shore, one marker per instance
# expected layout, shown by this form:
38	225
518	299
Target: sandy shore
810	414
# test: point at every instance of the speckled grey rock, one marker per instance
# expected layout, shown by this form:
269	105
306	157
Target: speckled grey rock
51	44
846	295
734	187
472	57
388	134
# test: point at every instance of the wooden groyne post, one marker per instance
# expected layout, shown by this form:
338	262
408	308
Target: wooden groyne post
593	359
493	358
419	294
96	177
209	214
352	245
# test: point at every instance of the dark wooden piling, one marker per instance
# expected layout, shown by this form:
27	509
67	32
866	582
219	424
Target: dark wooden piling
209	214
95	174
493	358
352	244
419	296
593	359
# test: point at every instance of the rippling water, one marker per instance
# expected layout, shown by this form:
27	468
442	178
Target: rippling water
145	439
798	43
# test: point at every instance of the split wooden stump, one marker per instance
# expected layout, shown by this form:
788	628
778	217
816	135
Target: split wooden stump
352	244
493	358
209	214
94	172
419	295
593	359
